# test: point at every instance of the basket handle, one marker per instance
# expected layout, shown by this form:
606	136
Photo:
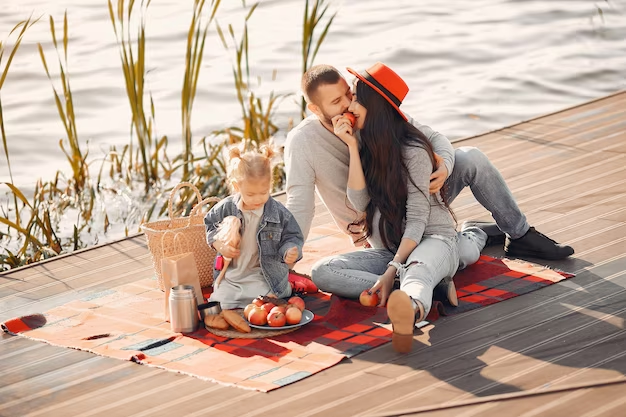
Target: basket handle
195	211
178	187
178	236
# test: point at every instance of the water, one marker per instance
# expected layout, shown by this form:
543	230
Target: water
472	66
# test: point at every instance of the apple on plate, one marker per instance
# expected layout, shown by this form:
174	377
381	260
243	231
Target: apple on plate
282	309
257	316
268	307
293	315
248	308
297	301
276	319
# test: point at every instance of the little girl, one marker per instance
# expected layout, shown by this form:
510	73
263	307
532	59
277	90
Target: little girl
270	236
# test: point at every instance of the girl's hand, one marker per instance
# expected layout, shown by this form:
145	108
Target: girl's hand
227	251
385	285
343	130
291	255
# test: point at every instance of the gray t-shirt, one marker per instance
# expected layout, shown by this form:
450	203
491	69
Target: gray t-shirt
317	161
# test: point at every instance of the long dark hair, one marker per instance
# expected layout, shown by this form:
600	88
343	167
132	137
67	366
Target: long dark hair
384	136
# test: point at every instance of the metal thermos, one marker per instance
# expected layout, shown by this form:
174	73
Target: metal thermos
183	309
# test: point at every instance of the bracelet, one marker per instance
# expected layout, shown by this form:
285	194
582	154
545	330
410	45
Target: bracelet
396	265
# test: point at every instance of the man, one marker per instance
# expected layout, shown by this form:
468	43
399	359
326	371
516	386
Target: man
317	161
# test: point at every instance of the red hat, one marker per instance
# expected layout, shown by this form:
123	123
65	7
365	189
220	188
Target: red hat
386	83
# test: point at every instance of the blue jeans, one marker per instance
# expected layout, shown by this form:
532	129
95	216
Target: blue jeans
347	275
472	168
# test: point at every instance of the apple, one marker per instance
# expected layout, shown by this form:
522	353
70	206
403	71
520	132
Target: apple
276	319
257	316
248	308
293	315
282	309
369	299
350	117
268	307
258	302
297	301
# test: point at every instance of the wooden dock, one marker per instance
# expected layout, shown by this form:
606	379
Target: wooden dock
558	351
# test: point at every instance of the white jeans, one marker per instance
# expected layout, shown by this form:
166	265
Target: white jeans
347	275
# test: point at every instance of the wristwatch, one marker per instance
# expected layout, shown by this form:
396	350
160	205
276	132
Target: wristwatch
396	265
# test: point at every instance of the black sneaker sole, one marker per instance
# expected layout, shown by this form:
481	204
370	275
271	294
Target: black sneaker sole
538	255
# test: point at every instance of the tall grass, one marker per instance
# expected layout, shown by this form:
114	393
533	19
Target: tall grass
312	18
196	38
134	69
20	29
257	118
32	225
65	107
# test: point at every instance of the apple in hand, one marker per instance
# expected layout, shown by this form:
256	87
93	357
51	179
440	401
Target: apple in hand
257	316
350	117
293	315
276	319
297	301
369	299
258	301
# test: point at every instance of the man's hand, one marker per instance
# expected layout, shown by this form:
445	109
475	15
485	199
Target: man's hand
438	177
227	251
291	255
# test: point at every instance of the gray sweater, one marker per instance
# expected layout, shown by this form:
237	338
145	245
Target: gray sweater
425	213
317	161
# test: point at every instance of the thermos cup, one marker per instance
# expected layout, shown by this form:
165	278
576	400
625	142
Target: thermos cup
183	309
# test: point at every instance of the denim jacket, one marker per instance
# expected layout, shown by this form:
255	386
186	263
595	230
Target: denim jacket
278	231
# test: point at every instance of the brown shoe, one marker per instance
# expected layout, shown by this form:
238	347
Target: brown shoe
403	316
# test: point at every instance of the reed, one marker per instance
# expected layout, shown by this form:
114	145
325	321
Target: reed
312	18
134	68
196	38
65	107
20	29
257	118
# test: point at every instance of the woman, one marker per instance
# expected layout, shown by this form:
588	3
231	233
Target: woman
411	231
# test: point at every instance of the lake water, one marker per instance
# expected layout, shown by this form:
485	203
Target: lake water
472	66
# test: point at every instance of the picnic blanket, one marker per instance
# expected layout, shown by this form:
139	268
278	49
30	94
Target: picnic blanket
127	323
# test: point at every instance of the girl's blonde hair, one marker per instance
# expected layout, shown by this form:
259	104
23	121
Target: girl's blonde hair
250	164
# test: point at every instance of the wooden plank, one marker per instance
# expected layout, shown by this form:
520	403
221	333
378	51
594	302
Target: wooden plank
566	172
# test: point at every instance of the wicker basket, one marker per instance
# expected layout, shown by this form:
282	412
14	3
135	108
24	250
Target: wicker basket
192	228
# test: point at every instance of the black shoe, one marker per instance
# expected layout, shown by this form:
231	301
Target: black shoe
495	236
446	291
536	245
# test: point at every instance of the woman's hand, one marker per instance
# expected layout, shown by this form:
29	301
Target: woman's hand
439	176
226	250
343	130
291	255
385	285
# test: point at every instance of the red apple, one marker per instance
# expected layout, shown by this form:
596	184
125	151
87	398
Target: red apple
257	316
297	301
293	315
268	307
276	319
282	309
369	299
350	117
258	302
247	309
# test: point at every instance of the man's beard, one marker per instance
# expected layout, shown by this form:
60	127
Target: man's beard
327	119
